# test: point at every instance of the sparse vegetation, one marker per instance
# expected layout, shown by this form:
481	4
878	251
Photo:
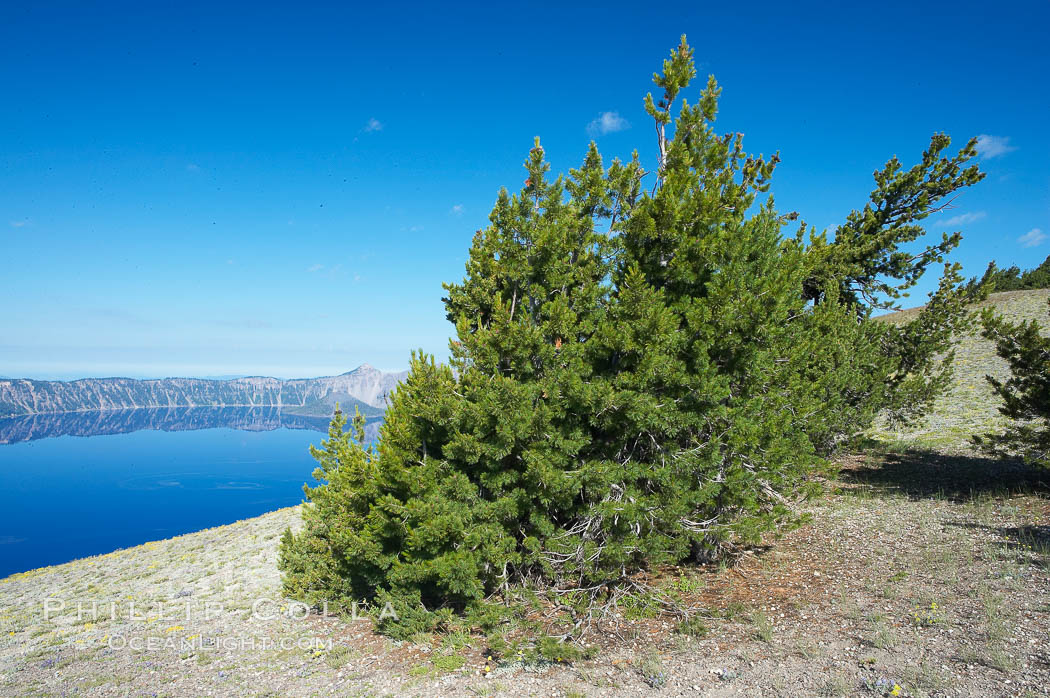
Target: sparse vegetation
763	626
651	668
692	627
339	656
883	636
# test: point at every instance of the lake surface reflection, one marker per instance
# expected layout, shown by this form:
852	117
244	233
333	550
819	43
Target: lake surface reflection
80	484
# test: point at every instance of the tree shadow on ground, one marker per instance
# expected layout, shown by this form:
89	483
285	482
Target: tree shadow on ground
1020	537
1031	541
924	474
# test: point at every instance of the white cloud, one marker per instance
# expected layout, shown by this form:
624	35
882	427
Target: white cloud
607	122
456	210
373	125
964	218
18	224
315	267
191	167
989	147
1033	237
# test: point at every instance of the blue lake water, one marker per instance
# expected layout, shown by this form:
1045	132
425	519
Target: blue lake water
81	485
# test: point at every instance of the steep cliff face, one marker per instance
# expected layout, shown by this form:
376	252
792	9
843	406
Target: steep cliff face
95	422
369	385
318	396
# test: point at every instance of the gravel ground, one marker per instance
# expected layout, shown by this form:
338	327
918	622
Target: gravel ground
925	572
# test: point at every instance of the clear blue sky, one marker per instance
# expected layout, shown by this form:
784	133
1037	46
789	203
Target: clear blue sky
187	189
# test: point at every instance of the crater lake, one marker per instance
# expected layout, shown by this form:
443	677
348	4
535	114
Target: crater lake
79	484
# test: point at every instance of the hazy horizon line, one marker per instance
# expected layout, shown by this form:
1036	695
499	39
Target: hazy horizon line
70	376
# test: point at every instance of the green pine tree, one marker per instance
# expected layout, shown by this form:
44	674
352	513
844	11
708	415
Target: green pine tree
647	368
1013	279
1025	395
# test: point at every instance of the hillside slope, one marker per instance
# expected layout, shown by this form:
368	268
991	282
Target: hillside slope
971	406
